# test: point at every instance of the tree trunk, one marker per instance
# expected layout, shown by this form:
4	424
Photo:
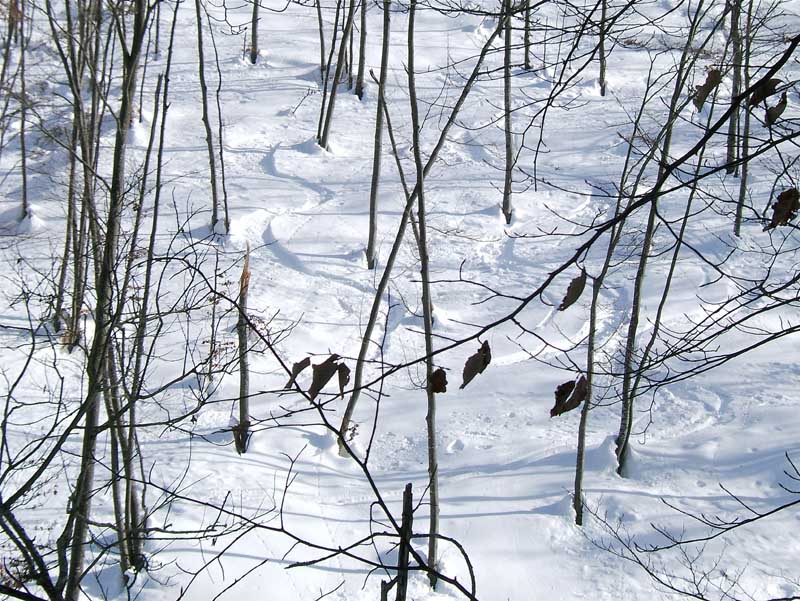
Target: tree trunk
366	340
104	310
136	497
323	107
737	225
509	141
81	500
527	35
602	46
597	286
350	50
430	420
733	125
321	40
340	64
156	49
629	368
406	531
25	212
376	155
58	311
220	128
118	440
242	431
362	51
577	498
206	123
254	33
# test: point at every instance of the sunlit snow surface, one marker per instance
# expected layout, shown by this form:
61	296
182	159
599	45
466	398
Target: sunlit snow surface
506	469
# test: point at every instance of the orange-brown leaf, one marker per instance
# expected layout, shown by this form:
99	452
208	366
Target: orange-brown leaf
476	363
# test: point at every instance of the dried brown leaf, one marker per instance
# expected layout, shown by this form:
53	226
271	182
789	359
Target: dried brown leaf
764	91
297	368
323	372
774	112
785	208
476	364
574	291
569	396
563	391
713	79
438	381
344	378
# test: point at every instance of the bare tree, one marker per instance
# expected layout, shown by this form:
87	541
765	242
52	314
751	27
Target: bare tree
378	146
362	51
242	430
254	33
212	166
341	62
735	7
629	367
366	341
427	305
322	64
508	170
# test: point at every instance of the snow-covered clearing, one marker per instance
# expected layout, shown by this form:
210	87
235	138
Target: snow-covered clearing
506	468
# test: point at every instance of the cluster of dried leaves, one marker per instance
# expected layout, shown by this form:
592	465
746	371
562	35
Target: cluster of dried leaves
475	364
321	374
759	95
570	395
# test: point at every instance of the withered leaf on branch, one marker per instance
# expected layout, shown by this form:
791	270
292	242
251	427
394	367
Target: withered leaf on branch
713	79
774	112
297	368
344	378
581	390
764	91
574	291
323	372
785	208
563	391
438	381
569	395
476	364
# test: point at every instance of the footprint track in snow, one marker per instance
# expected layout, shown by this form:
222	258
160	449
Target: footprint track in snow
270	166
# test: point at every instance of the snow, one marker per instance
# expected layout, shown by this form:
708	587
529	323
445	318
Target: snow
506	469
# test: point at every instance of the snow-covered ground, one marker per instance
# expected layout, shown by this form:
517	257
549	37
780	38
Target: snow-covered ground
506	468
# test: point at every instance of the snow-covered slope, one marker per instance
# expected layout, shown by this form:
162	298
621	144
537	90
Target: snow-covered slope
506	468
